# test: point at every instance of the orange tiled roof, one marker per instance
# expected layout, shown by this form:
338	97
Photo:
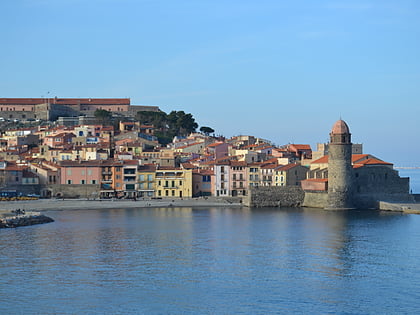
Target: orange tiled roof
321	160
373	161
214	144
287	167
301	146
238	163
188	166
203	172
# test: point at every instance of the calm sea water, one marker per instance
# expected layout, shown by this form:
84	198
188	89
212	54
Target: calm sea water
212	261
414	175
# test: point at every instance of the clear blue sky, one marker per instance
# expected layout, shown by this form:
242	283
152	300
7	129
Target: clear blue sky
280	70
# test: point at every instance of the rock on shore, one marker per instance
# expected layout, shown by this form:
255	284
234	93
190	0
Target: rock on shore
30	218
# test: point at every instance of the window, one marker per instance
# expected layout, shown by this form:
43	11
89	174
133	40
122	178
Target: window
173	193
150	177
173	183
82	182
69	181
93	181
130	186
83	172
68	171
141	177
89	172
180	183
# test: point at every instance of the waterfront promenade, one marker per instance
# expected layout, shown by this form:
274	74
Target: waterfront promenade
84	204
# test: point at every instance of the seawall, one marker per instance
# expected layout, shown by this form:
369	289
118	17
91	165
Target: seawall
316	200
275	196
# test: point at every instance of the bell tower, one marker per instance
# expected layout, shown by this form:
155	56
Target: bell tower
340	171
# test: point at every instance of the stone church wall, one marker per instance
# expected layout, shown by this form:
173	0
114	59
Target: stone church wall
316	200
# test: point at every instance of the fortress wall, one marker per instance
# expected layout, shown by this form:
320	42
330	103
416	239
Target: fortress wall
315	200
371	201
75	190
275	196
380	180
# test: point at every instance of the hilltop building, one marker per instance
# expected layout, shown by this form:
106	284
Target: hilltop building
52	108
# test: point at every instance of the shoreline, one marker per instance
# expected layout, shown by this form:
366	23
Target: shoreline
43	205
85	204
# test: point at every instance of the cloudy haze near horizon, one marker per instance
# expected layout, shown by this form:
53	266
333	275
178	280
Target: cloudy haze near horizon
281	70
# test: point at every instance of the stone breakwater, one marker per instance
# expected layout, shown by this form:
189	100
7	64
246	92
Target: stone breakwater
29	218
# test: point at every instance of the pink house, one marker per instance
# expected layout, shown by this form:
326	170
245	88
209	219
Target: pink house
238	182
81	173
218	150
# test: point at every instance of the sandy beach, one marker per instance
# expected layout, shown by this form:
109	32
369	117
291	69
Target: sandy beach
83	204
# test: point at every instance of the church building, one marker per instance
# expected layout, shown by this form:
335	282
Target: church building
342	180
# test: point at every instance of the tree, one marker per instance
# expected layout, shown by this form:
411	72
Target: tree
157	119
103	115
206	130
167	126
181	124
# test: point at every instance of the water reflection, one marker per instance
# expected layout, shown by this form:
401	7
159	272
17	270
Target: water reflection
199	260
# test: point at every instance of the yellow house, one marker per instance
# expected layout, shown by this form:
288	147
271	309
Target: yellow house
146	180
253	171
289	175
173	182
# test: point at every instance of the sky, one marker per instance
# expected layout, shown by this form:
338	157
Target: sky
281	70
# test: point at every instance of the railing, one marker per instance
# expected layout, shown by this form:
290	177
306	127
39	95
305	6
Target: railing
170	187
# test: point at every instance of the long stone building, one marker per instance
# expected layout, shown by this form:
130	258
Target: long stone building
52	108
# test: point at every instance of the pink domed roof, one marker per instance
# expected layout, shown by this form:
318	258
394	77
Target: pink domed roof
340	127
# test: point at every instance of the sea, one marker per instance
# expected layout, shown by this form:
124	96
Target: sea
210	260
414	175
